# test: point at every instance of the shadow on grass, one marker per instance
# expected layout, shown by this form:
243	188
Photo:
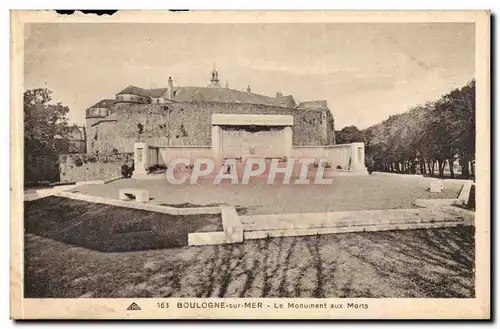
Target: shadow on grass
110	228
427	263
447	257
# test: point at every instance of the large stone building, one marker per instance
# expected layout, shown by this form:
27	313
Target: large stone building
155	126
178	116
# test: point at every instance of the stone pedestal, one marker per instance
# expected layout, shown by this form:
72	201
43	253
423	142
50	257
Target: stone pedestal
436	186
358	157
140	159
288	138
217	144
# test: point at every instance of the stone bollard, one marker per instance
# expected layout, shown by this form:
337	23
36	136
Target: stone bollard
436	186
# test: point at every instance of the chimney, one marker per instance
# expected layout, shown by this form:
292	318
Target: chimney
279	94
248	89
227	84
170	88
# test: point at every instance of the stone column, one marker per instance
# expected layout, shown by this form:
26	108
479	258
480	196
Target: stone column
141	158
216	144
288	140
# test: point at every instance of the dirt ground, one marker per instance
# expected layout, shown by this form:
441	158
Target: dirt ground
410	263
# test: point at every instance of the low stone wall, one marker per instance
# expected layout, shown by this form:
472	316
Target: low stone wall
340	156
336	155
87	167
167	154
316	152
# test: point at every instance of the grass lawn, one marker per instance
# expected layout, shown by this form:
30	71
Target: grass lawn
65	242
109	228
411	263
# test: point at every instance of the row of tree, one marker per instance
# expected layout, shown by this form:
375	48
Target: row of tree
436	133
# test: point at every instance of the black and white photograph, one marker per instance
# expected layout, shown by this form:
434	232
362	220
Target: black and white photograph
252	166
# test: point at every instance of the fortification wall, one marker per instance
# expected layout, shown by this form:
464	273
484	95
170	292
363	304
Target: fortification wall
189	124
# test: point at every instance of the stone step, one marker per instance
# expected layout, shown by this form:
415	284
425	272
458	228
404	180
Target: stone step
262	234
347	219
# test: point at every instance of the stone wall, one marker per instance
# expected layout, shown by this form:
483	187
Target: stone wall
91	132
86	167
167	154
338	156
307	152
313	105
189	124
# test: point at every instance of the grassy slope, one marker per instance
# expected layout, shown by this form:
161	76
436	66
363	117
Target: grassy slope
109	228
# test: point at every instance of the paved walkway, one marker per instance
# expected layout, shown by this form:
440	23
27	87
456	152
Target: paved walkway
302	224
345	194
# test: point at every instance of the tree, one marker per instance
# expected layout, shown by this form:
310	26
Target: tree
437	132
461	106
44	123
349	134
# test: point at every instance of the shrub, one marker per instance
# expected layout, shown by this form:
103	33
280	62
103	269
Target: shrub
78	162
127	171
156	167
339	167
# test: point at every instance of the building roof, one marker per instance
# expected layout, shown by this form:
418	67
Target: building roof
286	101
111	117
219	95
76	132
222	95
155	92
105	103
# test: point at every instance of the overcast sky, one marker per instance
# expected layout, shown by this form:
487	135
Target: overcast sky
366	72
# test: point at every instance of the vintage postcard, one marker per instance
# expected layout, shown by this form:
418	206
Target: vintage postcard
250	165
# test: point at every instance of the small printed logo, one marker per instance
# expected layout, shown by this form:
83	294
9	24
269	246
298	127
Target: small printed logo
133	307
